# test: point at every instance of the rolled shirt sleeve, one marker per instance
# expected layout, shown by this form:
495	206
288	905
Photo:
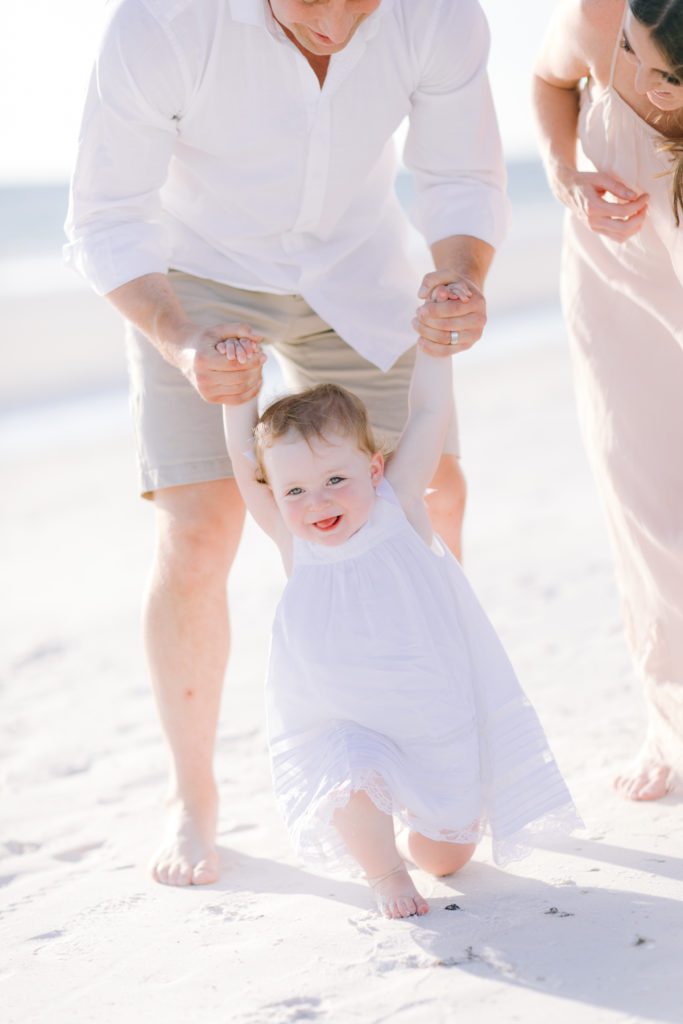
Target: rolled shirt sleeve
453	145
135	100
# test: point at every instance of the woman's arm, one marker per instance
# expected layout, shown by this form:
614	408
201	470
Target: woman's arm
578	29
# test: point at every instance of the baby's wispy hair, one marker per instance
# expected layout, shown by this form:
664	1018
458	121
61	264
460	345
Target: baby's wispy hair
314	413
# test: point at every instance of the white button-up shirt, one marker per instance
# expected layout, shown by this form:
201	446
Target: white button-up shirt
208	145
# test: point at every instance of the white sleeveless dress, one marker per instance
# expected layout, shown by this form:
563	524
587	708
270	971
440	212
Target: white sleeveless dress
623	305
386	676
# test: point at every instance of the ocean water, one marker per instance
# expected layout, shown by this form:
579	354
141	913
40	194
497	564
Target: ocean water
32	225
522	298
83	419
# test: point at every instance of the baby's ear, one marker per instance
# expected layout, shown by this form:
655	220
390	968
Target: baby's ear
376	468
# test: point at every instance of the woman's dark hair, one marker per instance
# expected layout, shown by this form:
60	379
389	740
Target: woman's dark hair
664	18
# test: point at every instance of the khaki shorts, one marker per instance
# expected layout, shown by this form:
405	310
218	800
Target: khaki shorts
180	436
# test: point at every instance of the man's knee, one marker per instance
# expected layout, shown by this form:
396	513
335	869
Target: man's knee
198	530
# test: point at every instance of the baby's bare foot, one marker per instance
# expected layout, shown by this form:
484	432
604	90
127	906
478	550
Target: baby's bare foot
188	854
648	778
395	894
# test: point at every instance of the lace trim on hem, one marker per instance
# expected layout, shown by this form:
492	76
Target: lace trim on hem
317	842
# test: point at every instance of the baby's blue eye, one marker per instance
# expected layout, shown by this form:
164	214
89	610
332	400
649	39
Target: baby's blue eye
336	479
295	491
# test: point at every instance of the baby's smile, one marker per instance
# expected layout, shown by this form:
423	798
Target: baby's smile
327	524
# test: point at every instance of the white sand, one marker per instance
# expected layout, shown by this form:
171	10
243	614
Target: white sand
86	936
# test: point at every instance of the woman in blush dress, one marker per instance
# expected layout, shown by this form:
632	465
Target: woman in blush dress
610	75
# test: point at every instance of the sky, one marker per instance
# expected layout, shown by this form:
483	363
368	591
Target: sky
46	50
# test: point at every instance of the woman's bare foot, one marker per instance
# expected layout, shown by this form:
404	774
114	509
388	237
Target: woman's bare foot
648	778
188	854
395	894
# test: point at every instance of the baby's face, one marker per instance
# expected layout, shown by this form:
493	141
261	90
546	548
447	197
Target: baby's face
325	490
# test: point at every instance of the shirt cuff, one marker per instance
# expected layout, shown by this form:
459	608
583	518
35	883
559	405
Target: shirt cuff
124	253
442	211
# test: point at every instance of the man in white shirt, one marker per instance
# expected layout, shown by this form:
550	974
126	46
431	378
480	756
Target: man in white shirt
235	178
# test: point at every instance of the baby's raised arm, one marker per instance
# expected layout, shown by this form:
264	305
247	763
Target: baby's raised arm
430	408
239	421
419	449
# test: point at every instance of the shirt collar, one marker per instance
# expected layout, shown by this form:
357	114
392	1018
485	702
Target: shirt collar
250	12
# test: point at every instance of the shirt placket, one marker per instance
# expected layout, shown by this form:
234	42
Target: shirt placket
314	183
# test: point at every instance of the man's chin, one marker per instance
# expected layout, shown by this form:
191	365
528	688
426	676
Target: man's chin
318	48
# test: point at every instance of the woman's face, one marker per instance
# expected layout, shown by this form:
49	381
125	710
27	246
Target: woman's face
653	78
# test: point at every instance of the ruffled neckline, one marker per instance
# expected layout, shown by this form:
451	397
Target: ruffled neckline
387	517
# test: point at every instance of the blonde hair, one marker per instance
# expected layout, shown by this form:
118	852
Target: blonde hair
312	414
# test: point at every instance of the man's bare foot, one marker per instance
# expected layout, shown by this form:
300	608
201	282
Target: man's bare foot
395	894
648	778
188	854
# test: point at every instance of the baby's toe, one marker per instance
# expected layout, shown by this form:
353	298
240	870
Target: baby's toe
180	873
160	871
405	907
205	873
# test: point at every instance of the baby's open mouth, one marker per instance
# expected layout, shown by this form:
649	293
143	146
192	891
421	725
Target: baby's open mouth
327	524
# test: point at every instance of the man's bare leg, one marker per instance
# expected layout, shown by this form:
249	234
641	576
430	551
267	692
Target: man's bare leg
187	639
447	504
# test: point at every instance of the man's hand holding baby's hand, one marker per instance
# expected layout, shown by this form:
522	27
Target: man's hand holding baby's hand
201	355
454	316
244	350
245	359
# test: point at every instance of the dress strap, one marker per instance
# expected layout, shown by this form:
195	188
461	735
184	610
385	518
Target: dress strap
617	47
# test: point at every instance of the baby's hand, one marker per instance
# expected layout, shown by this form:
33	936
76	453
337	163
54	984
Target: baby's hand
244	350
443	292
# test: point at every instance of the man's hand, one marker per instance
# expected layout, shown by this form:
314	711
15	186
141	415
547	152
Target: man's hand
223	363
455	306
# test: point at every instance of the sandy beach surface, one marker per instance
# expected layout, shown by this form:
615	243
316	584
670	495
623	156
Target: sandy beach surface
585	931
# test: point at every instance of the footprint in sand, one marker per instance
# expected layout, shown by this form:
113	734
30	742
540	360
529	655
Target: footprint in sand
78	852
235	910
39	653
15	848
288	1011
365	924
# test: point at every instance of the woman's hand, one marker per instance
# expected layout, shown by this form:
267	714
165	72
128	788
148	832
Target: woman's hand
585	193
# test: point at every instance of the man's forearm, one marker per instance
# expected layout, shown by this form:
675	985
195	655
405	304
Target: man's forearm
152	306
469	256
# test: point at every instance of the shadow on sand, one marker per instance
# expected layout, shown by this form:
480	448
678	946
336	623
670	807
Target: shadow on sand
600	947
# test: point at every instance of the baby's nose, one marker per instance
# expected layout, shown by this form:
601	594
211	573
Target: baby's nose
320	500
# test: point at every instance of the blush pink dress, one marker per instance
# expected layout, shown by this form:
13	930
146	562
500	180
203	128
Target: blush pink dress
623	304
